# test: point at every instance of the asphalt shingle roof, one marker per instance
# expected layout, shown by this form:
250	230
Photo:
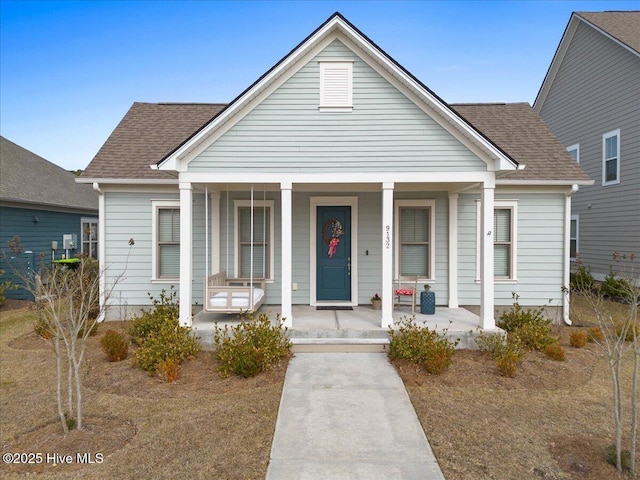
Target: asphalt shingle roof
28	178
146	134
623	26
149	131
518	130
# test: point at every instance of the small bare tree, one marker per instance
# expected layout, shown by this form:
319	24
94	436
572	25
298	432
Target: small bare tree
620	334
70	303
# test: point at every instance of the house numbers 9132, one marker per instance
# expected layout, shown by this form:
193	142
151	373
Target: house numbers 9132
387	237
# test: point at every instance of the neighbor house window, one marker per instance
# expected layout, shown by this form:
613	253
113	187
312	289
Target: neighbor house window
573	237
336	86
415	238
505	215
254	248
611	158
574	151
166	240
89	242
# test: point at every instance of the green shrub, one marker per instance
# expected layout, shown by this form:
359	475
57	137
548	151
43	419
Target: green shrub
421	345
582	280
555	352
151	321
491	343
115	345
252	346
625	458
528	327
508	363
159	335
578	338
615	287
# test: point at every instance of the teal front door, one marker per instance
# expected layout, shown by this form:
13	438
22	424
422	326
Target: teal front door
333	253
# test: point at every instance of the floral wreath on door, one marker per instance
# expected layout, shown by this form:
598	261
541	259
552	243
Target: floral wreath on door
331	232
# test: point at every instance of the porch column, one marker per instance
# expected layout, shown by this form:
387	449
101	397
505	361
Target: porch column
287	252
186	242
487	319
214	232
387	254
453	250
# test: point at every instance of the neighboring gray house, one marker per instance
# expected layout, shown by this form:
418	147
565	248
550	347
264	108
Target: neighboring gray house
41	203
335	174
590	99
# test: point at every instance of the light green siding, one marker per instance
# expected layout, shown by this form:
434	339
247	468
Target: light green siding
385	131
540	224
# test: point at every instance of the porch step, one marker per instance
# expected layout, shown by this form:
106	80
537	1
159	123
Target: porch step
338	344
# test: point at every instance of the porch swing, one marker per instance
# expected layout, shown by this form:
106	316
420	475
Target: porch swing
234	295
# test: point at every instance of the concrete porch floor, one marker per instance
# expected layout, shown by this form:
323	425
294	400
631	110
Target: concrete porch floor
356	330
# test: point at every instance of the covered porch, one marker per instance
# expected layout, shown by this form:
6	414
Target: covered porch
356	330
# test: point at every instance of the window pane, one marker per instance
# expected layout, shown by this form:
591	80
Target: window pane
611	173
574	229
502	225
258	258
573	248
169	260
574	153
260	224
414	225
415	259
501	261
169	225
611	147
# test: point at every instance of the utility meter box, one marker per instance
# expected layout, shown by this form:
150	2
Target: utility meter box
69	241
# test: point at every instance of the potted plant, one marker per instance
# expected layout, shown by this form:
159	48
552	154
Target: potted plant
376	302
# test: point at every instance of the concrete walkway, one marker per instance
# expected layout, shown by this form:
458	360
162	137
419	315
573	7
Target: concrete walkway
348	416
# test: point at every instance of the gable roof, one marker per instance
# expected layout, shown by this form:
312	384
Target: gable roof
149	130
337	26
622	27
29	178
519	131
147	133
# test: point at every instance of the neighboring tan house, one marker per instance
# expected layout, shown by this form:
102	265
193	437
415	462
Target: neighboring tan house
590	99
337	141
41	203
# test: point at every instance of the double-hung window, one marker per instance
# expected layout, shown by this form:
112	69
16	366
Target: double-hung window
573	237
505	240
166	240
89	242
254	246
611	157
415	238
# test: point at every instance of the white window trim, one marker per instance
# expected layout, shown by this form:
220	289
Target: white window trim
605	136
90	220
257	205
500	204
577	219
417	203
155	206
576	147
323	105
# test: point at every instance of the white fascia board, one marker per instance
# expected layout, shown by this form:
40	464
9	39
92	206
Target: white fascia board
129	181
336	178
544	182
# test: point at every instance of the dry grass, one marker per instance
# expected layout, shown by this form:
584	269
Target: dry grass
200	426
552	421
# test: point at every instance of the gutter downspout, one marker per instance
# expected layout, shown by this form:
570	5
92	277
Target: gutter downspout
101	251
567	253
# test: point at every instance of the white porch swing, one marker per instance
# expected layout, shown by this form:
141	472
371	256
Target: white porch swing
233	295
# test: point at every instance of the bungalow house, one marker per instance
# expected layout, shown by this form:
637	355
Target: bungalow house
41	203
328	179
590	99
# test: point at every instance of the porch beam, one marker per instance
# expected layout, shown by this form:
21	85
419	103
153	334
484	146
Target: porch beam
387	254
487	320
453	250
186	257
214	233
287	252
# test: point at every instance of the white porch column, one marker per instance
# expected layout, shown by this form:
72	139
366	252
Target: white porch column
487	319
453	250
215	232
287	252
387	254
186	256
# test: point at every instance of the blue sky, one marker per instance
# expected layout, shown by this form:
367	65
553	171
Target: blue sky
69	70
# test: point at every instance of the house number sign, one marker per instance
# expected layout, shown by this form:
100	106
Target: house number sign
387	237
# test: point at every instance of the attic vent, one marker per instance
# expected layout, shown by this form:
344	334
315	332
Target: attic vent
336	85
